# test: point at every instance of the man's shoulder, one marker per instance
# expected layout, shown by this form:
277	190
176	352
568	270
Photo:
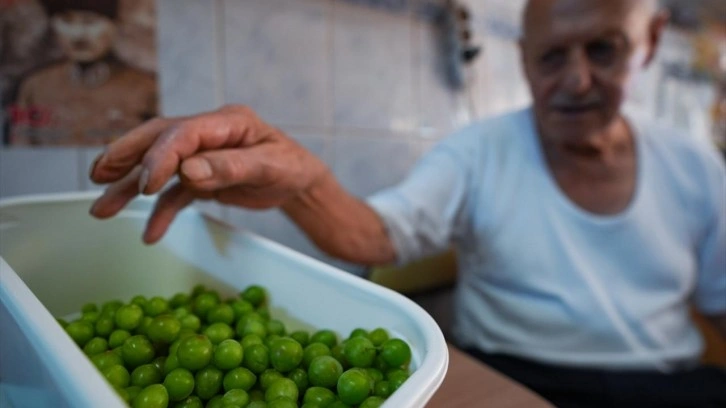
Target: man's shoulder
676	148
490	130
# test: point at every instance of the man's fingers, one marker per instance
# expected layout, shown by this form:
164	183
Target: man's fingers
117	195
167	207
125	153
228	127
218	169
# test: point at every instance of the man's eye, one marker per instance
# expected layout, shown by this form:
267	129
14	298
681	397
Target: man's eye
553	59
601	52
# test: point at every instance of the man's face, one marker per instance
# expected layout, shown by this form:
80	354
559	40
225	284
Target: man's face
84	36
579	57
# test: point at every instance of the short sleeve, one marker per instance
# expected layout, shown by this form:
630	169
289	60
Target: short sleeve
710	296
425	212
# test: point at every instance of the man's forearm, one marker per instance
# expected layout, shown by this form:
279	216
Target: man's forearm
340	224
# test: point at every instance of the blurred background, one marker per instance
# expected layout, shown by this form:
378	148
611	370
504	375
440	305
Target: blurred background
369	85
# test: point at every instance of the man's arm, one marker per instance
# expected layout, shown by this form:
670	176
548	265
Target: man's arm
232	156
340	224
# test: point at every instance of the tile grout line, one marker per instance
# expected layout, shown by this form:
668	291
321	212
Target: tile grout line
332	129
220	68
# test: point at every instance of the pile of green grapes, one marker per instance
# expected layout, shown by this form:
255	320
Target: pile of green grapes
197	350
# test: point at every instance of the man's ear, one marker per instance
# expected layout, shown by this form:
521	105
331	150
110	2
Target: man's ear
655	33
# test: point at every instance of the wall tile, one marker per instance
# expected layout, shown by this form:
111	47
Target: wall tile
38	171
366	163
435	101
188	60
500	82
372	74
277	60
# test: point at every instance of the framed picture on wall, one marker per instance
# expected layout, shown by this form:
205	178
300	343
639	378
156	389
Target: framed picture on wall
76	72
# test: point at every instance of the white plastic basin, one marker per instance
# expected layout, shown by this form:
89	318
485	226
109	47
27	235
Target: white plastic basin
55	258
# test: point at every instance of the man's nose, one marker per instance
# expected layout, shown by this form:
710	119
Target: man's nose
577	78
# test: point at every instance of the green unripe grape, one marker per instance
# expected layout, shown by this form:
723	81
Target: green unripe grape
382	389
378	336
218	332
324	371
153	396
275	327
81	332
228	355
256	358
156	306
285	354
372	402
396	353
314	350
104	326
241	307
282	403
300	378
319	395
250	340
247	327
236	397
268	377
396	378
179	384
301	337
171	364
190	402
190	322
195	352
89	307
117	338
179	299
282	388
164	329
128	317
90	317
358	332
106	360
222	313
117	376
353	387
137	350
359	351
208	382
95	346
145	375
133	391
255	295
239	377
143	327
109	308
326	337
204	303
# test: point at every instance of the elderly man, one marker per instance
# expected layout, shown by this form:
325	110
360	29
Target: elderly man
583	233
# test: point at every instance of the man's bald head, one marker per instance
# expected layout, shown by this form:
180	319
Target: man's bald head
535	10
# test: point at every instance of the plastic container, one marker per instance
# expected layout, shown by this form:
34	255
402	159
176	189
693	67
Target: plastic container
55	258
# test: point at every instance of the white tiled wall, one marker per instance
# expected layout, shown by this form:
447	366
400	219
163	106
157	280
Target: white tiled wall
359	86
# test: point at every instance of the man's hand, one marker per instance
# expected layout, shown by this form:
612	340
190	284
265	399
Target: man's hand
229	155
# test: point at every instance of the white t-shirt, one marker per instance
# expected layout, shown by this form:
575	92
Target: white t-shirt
544	279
